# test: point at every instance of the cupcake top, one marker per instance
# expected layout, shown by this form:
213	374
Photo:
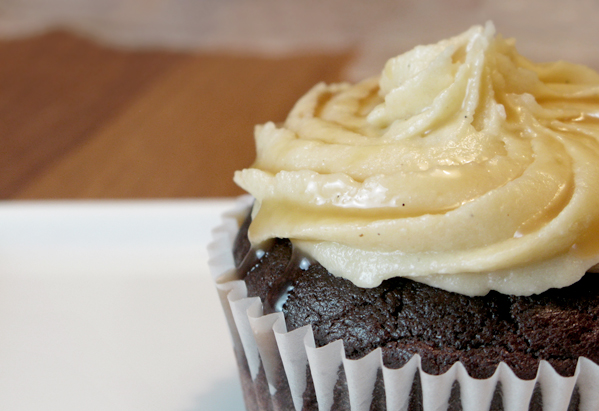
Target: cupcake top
464	166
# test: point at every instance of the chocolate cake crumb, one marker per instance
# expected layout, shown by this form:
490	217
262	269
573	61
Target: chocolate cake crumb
404	317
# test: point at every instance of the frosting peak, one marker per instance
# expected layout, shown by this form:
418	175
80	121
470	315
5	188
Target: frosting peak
464	166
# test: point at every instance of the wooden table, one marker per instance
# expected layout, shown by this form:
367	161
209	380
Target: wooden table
81	120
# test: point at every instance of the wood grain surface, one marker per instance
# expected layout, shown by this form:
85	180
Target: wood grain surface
81	120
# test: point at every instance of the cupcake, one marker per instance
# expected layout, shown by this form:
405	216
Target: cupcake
422	240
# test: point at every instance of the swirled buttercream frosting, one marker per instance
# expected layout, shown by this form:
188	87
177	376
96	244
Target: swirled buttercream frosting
463	165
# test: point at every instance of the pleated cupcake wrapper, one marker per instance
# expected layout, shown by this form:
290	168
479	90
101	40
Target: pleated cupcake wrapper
266	342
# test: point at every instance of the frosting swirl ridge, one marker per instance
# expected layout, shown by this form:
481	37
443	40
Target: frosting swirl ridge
464	165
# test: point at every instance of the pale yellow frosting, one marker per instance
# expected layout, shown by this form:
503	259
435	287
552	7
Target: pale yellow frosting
464	166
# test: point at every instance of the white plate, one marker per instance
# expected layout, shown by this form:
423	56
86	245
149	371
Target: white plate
110	306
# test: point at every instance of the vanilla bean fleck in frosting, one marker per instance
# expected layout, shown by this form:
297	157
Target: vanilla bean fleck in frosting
464	166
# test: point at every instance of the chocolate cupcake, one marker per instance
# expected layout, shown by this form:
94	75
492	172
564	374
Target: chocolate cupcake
422	240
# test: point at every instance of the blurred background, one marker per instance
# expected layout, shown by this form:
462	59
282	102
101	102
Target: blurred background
158	98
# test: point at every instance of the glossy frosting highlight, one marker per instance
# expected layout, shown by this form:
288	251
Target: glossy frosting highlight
464	165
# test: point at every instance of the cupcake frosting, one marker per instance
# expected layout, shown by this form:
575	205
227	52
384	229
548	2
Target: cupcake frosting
463	165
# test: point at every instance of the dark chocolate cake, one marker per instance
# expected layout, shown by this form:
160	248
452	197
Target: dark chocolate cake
404	317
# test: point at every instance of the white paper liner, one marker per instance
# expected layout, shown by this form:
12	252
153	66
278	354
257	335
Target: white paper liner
266	342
